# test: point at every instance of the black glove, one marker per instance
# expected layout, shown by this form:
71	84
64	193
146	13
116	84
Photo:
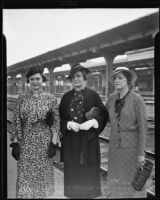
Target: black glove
15	150
50	117
92	113
52	150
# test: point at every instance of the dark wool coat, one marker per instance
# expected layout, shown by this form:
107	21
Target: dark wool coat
70	151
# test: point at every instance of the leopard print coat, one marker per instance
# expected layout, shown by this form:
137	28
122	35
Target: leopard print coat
35	172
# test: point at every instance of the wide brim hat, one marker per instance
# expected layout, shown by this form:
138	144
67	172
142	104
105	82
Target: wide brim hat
124	69
76	68
36	70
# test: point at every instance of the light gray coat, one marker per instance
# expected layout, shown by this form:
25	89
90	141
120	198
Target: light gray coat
127	142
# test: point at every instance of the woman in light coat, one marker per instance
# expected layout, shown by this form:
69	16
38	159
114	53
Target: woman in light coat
128	136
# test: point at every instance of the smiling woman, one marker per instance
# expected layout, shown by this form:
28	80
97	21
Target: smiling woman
33	138
35	82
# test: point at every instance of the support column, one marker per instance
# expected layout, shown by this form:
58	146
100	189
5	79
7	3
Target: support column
109	68
23	82
153	81
9	84
51	80
103	82
14	89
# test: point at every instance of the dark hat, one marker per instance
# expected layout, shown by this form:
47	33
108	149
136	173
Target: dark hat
124	69
76	68
35	70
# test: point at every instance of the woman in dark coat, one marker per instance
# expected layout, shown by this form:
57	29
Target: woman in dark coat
80	137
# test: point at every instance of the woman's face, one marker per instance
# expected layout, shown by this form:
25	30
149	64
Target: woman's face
35	81
120	81
78	80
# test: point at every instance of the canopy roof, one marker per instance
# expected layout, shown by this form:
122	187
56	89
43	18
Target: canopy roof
130	36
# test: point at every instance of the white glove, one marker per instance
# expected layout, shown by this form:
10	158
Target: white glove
88	124
73	126
56	139
141	161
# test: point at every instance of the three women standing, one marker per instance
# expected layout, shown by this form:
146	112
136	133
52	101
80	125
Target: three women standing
80	137
128	136
80	142
35	174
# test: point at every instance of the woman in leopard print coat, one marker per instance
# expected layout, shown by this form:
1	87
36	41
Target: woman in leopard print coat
35	172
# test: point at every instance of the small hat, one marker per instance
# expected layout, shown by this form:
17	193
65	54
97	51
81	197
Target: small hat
35	70
75	68
125	69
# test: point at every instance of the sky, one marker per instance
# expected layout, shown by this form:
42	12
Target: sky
31	32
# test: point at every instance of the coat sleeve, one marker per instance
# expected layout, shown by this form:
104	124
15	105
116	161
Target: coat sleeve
101	119
142	124
63	125
107	106
16	126
63	119
55	128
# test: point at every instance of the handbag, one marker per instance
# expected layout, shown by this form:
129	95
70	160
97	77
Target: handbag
92	113
15	150
52	150
50	118
142	175
52	147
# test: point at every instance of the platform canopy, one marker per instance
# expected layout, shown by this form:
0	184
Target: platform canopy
130	36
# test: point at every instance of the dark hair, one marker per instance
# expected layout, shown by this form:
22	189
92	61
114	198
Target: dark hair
83	73
128	77
78	68
35	70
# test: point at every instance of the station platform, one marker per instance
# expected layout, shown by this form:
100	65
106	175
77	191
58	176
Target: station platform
59	178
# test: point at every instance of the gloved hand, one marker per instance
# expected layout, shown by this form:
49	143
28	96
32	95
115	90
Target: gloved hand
50	118
73	126
52	150
141	161
89	124
56	139
15	150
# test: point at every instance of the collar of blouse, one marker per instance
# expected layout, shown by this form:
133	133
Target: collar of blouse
81	90
32	93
